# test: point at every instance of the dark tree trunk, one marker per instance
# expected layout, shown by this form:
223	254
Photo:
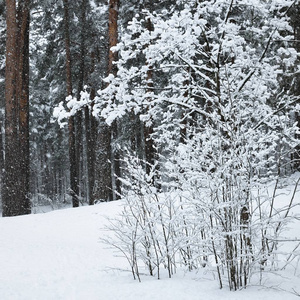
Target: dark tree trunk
90	146
103	184
112	69
79	114
112	35
23	94
16	166
10	189
296	25
91	137
74	192
148	129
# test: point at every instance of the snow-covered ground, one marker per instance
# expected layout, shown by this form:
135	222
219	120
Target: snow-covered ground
58	255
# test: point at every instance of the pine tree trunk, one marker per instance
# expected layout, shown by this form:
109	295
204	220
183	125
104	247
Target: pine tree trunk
71	126
23	94
10	199
16	178
112	69
91	136
90	151
79	114
103	184
148	129
296	21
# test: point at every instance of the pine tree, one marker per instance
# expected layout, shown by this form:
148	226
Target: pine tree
16	180
74	188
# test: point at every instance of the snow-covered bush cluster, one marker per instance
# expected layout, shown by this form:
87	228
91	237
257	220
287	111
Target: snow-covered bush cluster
207	79
219	225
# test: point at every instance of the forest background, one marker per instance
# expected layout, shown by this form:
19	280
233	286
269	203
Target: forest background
67	54
189	110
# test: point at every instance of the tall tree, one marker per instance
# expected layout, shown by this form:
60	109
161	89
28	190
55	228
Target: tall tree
103	185
113	15
74	191
16	179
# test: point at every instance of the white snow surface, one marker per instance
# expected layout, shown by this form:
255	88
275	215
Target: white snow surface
58	255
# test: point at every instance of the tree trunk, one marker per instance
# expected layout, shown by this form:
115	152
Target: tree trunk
296	25
90	153
79	114
148	129
113	14
150	151
112	69
72	140
103	183
16	177
23	94
91	137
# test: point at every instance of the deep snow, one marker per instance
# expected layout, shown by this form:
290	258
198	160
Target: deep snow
58	255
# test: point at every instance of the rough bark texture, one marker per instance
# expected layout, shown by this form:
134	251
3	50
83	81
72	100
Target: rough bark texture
90	153
91	137
112	35
148	129
109	133
79	115
23	94
103	183
112	69
16	178
72	141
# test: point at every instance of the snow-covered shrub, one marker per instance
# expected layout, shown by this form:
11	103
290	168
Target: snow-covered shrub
225	128
221	225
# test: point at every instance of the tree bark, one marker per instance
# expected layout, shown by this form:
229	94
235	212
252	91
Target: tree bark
23	94
103	183
296	23
16	178
71	125
79	114
91	137
113	15
90	128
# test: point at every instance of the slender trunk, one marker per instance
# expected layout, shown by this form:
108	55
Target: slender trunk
91	137
79	114
296	21
112	69
113	14
148	129
90	130
71	125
